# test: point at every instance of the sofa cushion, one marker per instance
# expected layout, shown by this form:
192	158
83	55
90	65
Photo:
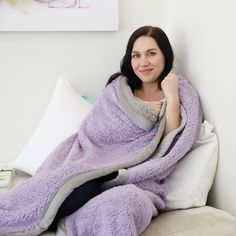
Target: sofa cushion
192	178
204	221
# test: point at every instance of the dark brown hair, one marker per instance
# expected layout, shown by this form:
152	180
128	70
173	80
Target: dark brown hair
125	66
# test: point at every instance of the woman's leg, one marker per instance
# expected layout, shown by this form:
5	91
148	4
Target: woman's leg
79	197
119	211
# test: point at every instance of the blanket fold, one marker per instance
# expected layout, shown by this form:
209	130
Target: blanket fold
120	133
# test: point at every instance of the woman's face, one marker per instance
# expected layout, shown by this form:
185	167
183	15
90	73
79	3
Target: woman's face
147	59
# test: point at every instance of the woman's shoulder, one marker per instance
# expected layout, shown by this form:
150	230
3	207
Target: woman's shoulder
114	77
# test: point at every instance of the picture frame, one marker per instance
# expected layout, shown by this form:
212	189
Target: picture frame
59	15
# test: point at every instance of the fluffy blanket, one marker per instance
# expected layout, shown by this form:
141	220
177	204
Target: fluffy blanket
120	133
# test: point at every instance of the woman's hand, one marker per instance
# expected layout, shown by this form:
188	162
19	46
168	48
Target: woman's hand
170	87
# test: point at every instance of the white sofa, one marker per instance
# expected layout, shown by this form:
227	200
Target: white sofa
193	176
204	221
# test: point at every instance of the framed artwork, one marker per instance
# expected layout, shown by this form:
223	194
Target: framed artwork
58	15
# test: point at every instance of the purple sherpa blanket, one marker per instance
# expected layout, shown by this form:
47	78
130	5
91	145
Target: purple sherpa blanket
120	133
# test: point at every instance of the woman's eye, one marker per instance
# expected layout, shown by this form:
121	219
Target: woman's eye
151	53
135	55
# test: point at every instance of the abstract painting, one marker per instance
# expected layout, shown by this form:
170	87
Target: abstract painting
58	15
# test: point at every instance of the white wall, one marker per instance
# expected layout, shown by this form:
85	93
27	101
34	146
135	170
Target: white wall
31	62
204	35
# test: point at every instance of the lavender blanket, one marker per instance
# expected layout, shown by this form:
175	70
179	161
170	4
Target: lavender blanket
120	133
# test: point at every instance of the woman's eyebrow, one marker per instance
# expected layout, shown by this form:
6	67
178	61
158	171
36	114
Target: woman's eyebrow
151	49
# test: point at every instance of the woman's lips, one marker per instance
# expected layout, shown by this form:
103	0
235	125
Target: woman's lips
145	72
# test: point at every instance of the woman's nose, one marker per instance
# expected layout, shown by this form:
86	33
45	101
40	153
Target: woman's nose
144	61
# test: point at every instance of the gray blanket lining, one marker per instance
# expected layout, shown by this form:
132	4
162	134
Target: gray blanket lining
138	111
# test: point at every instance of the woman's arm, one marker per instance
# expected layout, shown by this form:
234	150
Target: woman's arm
170	88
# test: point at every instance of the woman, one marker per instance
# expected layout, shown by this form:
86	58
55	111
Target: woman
146	65
144	113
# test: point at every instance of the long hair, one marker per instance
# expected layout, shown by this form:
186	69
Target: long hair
125	66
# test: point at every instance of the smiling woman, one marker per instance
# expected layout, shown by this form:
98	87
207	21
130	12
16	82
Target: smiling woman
147	64
117	163
147	60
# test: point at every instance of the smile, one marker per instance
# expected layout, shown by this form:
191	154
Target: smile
146	71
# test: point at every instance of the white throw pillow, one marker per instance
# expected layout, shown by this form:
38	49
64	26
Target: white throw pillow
64	114
191	180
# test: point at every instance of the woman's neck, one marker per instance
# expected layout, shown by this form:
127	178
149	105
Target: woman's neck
149	92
